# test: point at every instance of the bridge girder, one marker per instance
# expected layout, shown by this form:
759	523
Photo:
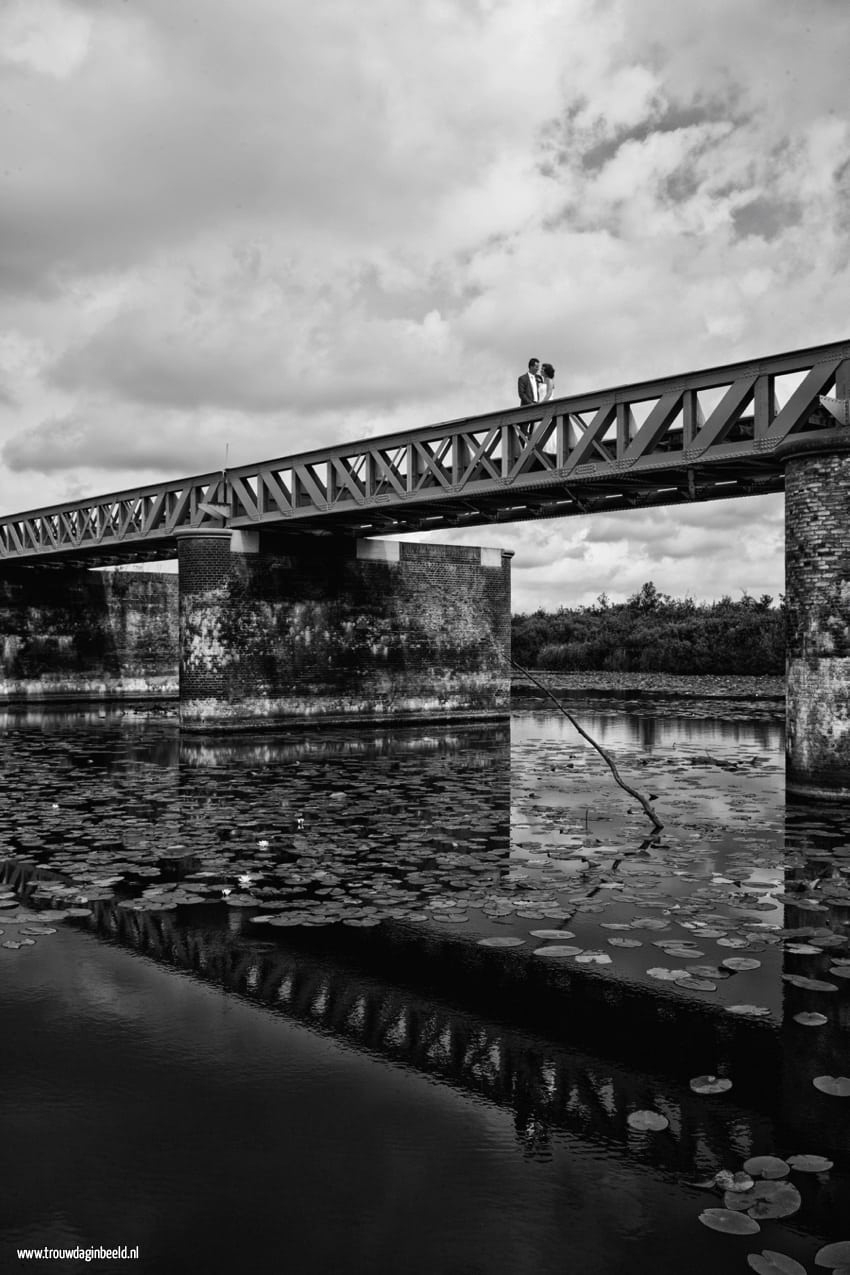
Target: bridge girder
705	435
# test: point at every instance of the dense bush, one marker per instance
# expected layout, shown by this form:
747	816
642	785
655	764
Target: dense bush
656	633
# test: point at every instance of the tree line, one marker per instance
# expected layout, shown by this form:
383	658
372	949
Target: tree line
653	632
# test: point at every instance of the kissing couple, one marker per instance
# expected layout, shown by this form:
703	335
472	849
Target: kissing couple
537	385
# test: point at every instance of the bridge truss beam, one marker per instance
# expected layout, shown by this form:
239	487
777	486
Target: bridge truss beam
705	435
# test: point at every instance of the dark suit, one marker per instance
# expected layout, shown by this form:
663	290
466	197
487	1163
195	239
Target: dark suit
526	394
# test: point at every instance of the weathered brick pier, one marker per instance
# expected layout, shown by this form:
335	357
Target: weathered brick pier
319	628
817	596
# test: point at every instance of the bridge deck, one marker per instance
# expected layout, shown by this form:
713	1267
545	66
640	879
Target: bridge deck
703	435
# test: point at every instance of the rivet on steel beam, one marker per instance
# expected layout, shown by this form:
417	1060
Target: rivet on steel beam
837	407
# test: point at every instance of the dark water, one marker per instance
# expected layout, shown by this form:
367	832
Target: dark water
265	1034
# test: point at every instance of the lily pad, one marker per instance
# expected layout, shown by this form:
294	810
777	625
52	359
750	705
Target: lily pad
729	1222
810	984
710	1084
810	1163
766	1166
740	1201
811	1020
647	1121
748	1011
714	972
775	1199
557	949
740	963
552	934
769	1262
833	1255
499	941
835	1086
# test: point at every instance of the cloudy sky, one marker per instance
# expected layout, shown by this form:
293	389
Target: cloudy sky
268	225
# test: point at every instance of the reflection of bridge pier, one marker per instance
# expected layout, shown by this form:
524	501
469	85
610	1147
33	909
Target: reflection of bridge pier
295	773
486	747
821	883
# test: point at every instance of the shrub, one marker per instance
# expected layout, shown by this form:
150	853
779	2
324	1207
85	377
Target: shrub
653	632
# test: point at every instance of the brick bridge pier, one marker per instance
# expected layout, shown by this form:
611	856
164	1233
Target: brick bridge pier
327	628
817	596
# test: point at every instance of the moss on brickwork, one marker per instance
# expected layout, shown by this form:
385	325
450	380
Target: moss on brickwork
307	629
817	576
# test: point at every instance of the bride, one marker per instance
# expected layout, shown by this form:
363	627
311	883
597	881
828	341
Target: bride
545	390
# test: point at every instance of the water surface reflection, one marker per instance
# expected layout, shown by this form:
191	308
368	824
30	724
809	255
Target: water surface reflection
321	1002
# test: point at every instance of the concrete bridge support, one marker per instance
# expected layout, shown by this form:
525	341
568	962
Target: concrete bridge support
296	629
817	592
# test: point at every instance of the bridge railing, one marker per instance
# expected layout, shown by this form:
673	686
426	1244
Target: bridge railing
482	468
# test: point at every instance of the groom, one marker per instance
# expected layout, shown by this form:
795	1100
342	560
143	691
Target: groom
528	385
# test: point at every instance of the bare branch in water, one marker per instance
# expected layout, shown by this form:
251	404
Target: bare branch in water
606	757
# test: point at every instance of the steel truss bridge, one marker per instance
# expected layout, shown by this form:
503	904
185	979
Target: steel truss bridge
703	435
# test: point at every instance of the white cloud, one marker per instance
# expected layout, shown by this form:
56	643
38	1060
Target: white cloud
730	547
44	36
